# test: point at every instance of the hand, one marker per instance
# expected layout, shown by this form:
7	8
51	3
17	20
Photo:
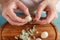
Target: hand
10	16
49	7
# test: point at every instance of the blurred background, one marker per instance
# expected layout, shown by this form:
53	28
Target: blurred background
56	21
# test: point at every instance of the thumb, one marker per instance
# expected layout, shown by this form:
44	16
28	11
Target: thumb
23	8
40	9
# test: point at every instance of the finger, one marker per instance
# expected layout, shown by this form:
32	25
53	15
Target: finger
14	17
34	22
51	15
40	9
12	22
23	8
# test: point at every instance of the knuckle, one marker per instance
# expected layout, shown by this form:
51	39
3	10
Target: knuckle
12	23
26	9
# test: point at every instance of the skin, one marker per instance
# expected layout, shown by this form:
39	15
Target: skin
10	16
46	5
50	8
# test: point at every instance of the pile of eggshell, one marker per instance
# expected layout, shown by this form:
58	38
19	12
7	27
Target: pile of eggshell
25	35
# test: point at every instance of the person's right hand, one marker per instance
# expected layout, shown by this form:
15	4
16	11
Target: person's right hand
10	16
49	6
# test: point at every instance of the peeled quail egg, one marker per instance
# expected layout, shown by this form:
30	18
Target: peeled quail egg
28	18
38	39
44	35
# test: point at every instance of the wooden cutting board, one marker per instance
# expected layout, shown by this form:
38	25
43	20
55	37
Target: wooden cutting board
9	32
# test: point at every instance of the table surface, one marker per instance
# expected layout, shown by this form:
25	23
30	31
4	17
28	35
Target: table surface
56	21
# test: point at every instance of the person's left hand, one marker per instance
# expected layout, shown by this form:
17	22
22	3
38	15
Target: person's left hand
51	13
